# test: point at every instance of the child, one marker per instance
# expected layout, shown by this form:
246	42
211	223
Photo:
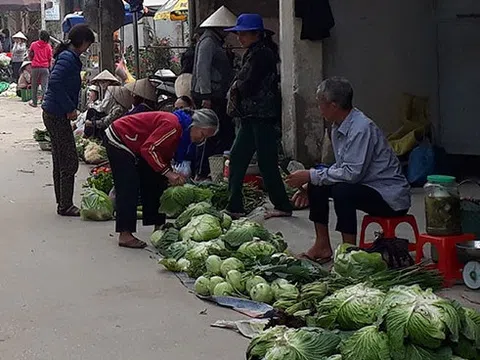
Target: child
59	108
25	78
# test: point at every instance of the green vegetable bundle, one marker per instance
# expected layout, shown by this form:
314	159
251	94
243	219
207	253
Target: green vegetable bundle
96	206
175	200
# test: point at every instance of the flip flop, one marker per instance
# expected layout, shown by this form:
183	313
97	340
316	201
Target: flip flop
320	261
278	214
134	244
72	211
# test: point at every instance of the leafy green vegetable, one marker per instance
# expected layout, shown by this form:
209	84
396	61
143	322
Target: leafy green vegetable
421	317
214	281
231	264
202	286
202	228
96	206
466	349
415	352
357	264
176	199
243	231
252	281
285	291
192	210
162	239
350	308
213	264
471	326
223	289
177	250
183	264
257	249
260	344
366	344
235	278
262	293
173	265
226	221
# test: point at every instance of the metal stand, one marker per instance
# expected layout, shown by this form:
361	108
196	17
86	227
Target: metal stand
135	44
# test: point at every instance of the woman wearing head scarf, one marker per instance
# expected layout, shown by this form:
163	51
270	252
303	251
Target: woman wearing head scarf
19	53
254	99
140	149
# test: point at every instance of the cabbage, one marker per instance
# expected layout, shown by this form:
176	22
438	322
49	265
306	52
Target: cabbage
281	343
366	344
192	210
471	326
421	317
415	352
351	308
214	281
202	228
199	251
223	289
251	282
243	231
235	278
262	293
174	265
176	199
231	264
284	291
357	264
226	221
466	349
213	264
162	239
202	286
177	250
96	206
257	249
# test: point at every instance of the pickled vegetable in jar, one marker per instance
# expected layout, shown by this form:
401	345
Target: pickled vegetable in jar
442	206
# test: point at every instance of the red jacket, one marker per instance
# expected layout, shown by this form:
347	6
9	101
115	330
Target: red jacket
42	54
154	136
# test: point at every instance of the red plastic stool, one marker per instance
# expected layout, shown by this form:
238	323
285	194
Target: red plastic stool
448	263
389	226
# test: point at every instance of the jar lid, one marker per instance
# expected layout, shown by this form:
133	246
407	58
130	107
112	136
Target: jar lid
441	179
226	153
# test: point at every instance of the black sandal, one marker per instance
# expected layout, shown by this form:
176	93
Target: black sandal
72	211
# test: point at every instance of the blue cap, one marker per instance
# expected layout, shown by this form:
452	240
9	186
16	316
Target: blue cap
248	22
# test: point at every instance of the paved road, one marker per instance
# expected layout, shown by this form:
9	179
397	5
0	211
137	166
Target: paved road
68	292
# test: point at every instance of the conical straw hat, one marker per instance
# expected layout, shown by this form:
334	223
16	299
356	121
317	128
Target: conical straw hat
19	35
222	18
105	75
122	96
143	88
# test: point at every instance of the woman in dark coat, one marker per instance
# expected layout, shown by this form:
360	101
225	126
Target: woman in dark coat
254	99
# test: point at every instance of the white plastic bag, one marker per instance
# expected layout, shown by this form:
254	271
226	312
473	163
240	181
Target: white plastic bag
184	168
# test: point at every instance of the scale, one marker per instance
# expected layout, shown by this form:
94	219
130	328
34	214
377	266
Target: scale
469	254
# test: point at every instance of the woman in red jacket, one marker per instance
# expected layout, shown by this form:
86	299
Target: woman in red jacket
141	148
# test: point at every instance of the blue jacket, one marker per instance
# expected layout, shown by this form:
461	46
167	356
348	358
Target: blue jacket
185	150
64	85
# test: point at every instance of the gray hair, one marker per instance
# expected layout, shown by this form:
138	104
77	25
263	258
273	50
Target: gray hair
337	90
205	118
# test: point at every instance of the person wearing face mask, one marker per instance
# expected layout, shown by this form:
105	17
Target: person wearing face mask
254	100
140	149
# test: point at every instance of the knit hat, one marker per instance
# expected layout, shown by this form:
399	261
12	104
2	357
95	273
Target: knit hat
222	18
122	96
19	35
143	88
105	75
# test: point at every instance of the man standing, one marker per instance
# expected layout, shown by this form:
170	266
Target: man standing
366	176
212	77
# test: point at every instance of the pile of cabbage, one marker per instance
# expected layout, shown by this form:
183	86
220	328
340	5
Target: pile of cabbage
365	323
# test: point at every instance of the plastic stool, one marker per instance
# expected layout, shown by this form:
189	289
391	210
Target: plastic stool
389	226
448	263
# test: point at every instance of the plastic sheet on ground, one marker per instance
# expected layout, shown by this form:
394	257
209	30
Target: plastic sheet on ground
247	328
246	307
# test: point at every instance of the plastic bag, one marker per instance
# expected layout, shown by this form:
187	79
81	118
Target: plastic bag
96	206
184	168
421	163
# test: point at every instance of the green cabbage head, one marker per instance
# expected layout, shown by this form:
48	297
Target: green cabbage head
366	344
231	264
202	228
96	206
213	264
252	281
223	289
357	264
192	210
202	286
420	317
350	308
176	199
235	278
243	231
214	281
257	249
262	293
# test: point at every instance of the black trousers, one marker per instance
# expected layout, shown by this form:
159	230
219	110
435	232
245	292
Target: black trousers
347	199
221	142
131	175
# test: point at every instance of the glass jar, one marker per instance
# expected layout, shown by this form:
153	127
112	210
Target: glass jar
226	165
442	206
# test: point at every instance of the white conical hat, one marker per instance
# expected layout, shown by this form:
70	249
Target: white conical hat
25	63
222	18
105	75
19	35
143	88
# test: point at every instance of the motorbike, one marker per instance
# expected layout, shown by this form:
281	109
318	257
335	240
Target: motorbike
164	82
6	73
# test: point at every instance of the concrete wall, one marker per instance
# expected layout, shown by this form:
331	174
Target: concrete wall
385	48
